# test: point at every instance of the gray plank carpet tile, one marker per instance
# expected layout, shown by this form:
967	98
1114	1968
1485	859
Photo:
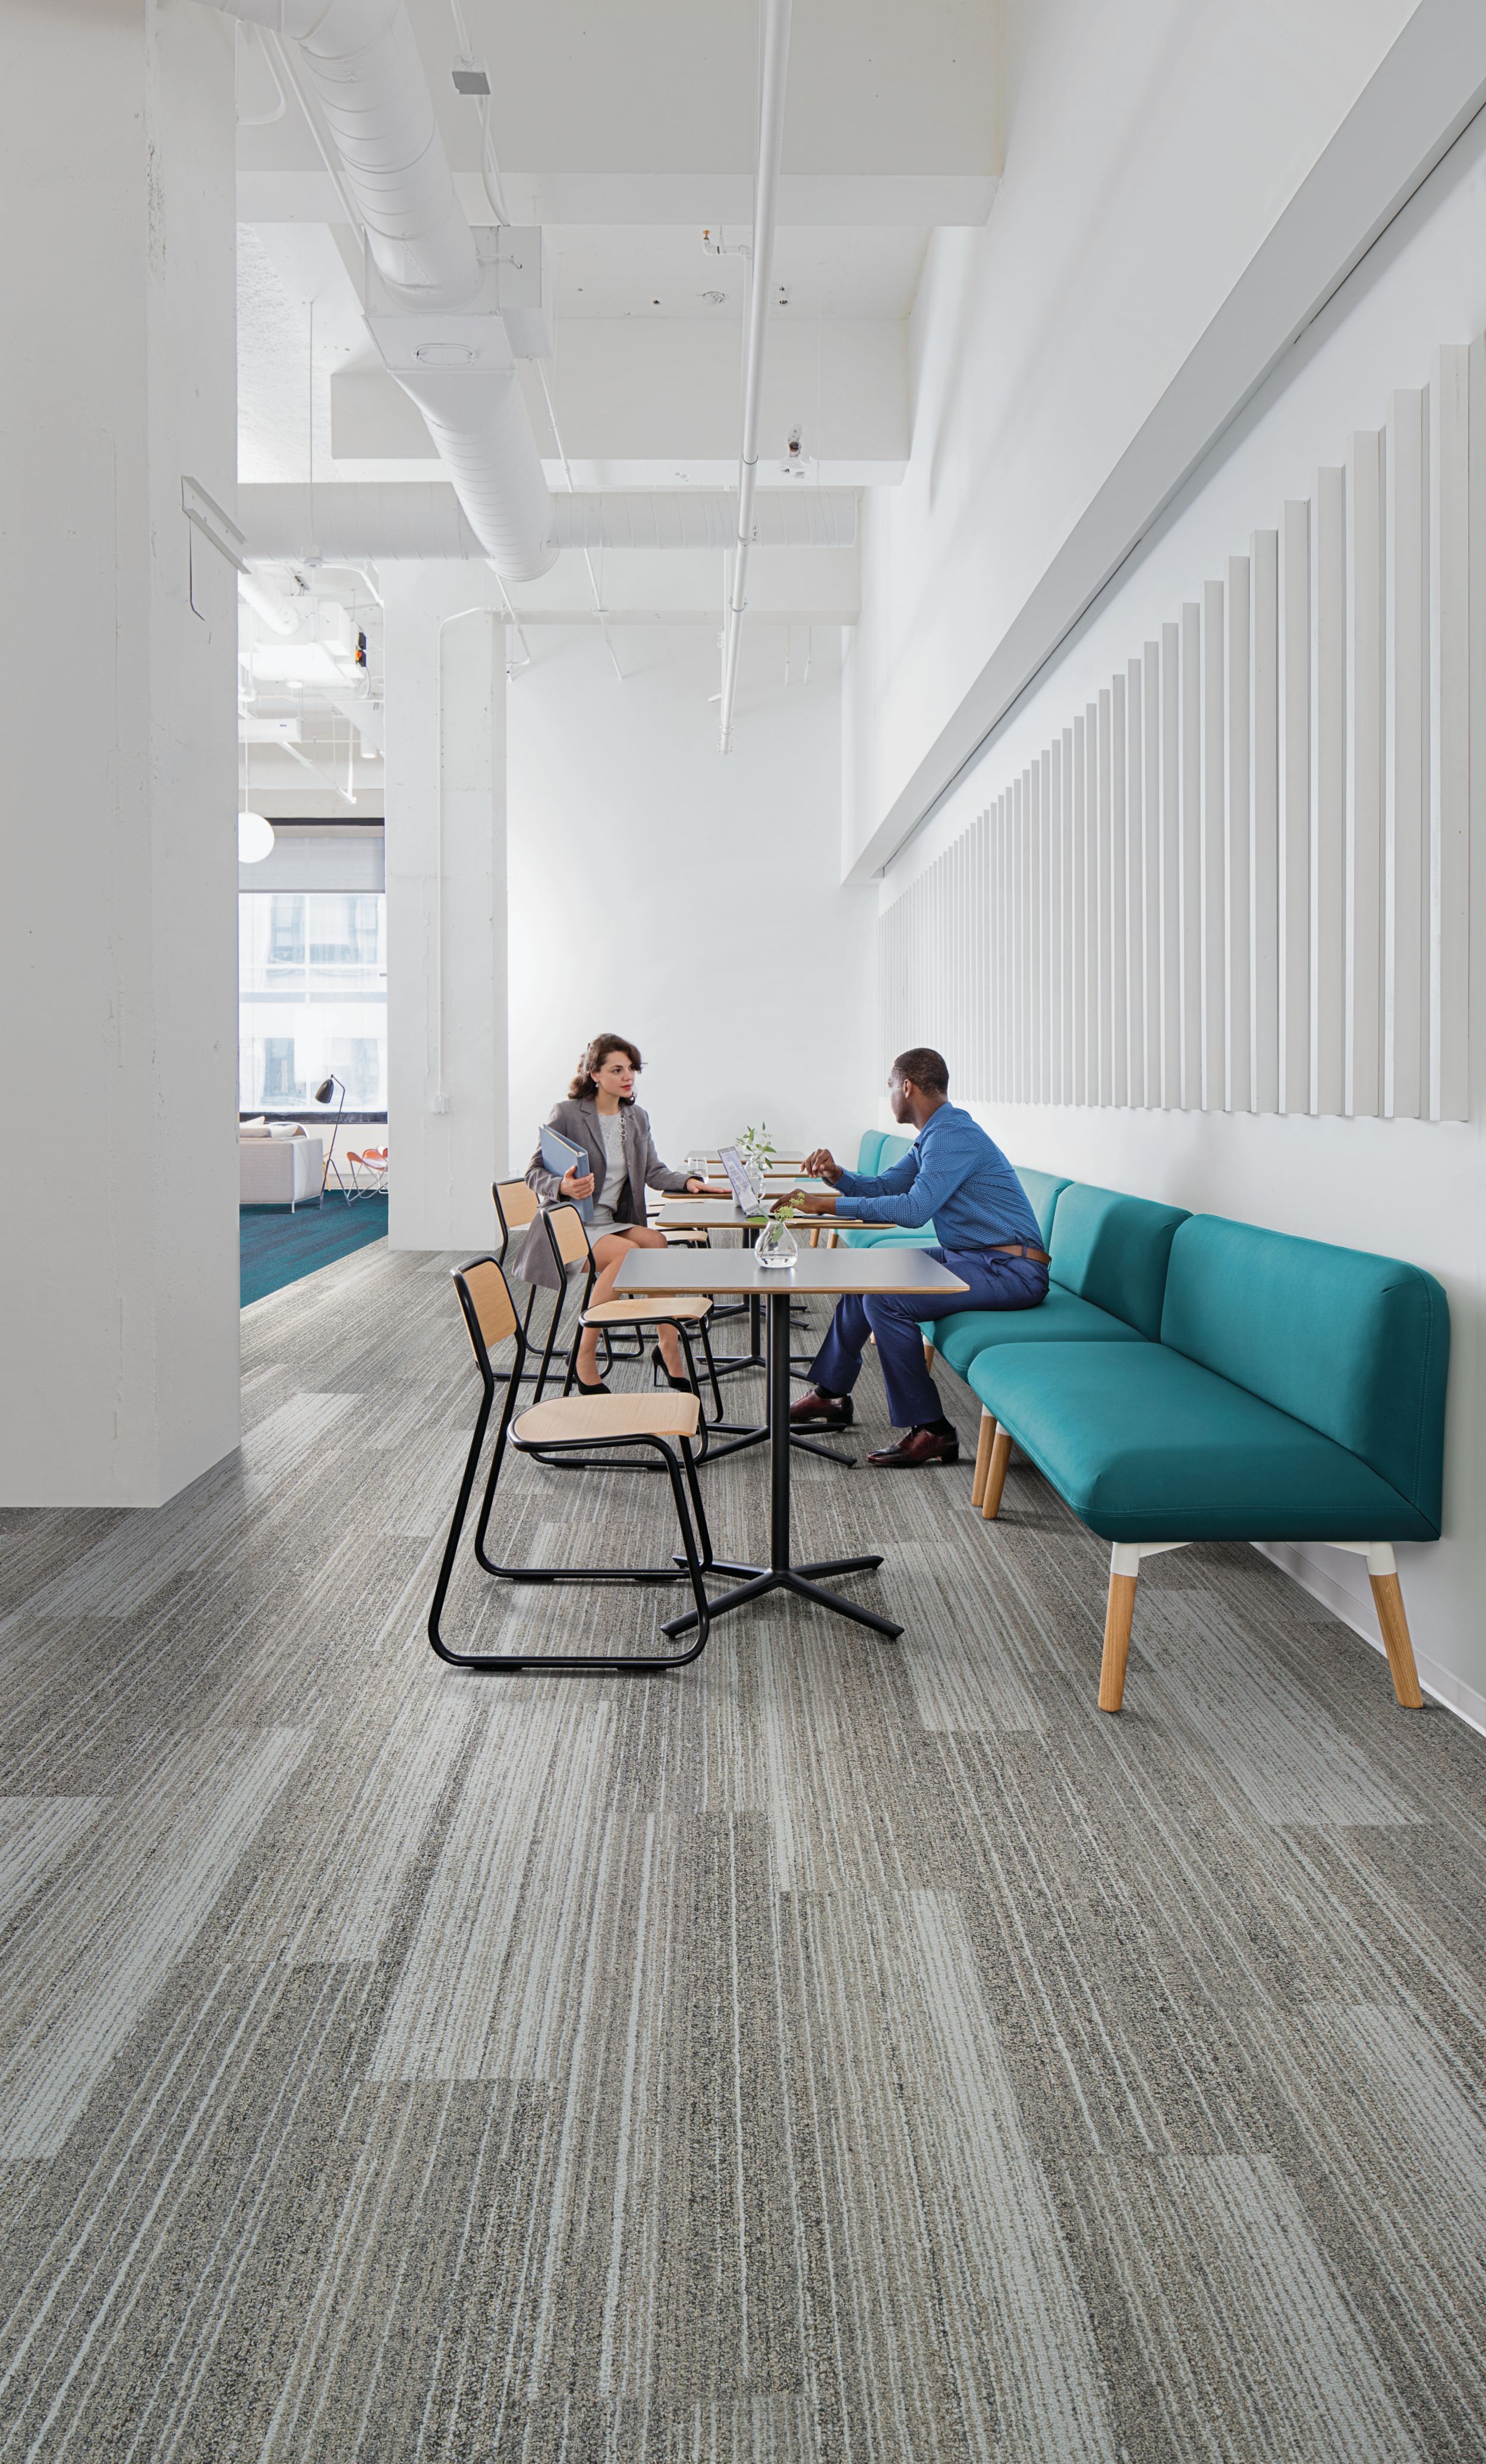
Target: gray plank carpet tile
837	2053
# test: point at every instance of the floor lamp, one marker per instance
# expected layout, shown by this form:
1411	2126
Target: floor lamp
322	1096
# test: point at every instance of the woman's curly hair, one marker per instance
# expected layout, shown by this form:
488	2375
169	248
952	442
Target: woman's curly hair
591	1062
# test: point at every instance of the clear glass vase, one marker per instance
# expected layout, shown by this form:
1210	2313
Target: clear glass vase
776	1245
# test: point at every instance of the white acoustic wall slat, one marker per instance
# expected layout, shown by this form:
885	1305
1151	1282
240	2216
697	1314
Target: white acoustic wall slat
1367	701
1118	900
1190	869
1264	791
1293	1093
1080	949
1002	967
1103	845
1135	878
1328	797
1240	835
1405	1038
1171	868
1018	893
1049	930
1457	505
1215	807
1069	937
1241	875
1036	854
1150	865
1053	839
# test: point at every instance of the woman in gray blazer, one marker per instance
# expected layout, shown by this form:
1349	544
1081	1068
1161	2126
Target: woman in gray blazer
600	1115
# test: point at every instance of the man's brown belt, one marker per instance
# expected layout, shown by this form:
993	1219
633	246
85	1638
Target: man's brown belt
1020	1250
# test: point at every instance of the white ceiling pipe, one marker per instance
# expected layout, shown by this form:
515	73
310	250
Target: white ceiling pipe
394	520
278	612
369	79
766	197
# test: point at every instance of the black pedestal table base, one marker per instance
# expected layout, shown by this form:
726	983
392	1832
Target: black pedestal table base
781	1574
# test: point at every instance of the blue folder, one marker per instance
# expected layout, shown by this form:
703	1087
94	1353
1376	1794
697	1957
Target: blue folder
559	1155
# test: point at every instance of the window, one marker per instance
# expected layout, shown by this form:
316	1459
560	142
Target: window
279	1083
286	931
313	997
344	932
356	1061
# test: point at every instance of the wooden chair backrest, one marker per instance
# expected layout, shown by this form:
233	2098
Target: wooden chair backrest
571	1235
485	1289
517	1203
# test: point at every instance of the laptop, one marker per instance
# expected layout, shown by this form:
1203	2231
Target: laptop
742	1188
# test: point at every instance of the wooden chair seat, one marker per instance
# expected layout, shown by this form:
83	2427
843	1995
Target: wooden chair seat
596	1418
690	1306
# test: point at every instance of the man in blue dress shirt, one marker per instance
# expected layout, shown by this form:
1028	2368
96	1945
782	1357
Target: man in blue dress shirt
988	1235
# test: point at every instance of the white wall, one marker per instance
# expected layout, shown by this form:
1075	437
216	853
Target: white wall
684	898
1413	1188
119	1271
1151	149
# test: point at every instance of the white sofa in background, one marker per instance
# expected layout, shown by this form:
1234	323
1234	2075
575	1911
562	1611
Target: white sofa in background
280	1171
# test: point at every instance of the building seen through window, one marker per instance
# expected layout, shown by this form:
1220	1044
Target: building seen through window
313	997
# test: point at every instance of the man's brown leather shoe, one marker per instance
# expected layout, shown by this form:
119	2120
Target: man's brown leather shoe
920	1447
817	1411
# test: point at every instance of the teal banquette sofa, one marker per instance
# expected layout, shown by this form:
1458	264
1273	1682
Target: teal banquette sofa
1252	1386
1192	1378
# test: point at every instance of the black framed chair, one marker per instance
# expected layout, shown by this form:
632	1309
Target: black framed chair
593	1426
690	1313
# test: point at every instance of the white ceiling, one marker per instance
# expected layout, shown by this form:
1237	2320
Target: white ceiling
658	270
622	127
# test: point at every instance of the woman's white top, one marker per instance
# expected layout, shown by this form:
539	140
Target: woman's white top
612	1125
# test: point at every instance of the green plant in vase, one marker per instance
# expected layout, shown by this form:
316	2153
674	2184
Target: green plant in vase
757	1149
776	1244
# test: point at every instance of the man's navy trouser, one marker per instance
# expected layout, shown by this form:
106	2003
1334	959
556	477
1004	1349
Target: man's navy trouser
996	1282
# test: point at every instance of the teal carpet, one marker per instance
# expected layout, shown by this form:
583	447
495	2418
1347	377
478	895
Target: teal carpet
277	1248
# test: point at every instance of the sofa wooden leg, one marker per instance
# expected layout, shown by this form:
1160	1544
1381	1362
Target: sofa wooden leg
1388	1601
995	1475
983	1445
928	1354
1119	1617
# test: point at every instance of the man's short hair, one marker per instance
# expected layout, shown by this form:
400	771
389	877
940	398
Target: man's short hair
925	1069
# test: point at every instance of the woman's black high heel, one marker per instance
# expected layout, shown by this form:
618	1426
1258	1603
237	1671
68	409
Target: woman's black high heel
682	1385
584	1388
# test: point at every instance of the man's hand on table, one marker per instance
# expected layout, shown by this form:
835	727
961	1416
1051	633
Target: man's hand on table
811	1201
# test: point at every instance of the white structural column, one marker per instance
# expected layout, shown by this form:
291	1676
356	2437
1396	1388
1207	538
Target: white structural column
118	1269
445	870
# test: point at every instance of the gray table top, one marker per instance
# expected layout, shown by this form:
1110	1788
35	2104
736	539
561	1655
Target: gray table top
815	1271
721	1214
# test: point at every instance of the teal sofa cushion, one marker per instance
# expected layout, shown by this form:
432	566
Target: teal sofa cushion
1113	1251
1043	1189
1356	1345
1145	1444
868	1150
889	1150
893	1236
1061	1318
